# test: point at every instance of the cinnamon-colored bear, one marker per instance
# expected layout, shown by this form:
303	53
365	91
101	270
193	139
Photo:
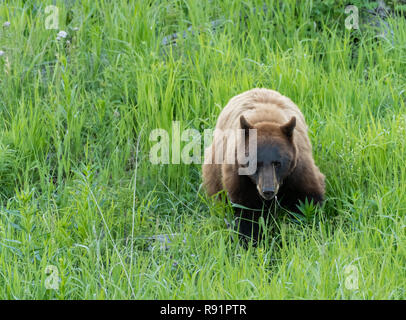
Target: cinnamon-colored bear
284	169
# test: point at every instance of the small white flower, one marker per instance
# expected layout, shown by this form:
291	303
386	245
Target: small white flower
2	53
58	38
62	34
6	24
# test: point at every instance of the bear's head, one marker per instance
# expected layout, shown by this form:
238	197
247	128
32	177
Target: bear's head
276	155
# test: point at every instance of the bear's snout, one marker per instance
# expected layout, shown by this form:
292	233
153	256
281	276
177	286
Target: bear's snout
268	194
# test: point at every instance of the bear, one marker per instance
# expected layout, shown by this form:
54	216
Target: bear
284	169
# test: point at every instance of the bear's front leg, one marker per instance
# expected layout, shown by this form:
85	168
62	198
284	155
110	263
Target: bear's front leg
248	206
247	225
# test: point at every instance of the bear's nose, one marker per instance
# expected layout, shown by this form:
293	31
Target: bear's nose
268	193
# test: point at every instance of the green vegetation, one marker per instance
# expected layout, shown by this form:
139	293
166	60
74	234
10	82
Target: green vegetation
77	189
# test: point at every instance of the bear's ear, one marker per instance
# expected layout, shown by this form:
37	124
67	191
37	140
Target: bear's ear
245	124
288	127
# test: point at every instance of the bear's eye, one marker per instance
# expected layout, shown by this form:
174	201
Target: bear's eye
276	164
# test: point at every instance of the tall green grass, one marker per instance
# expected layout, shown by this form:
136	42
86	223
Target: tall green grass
78	191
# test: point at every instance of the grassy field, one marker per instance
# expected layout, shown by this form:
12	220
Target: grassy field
82	209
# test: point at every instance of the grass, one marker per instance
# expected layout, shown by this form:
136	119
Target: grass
77	189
